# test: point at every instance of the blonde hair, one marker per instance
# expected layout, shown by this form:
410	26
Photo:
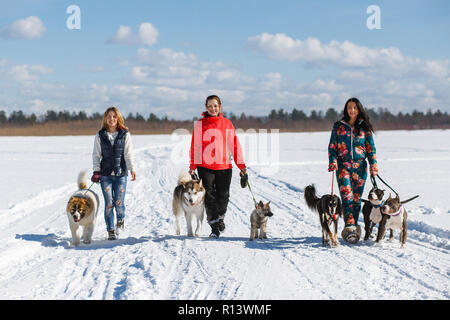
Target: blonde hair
120	121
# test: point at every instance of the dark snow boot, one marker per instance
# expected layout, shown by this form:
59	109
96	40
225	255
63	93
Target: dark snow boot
111	235
351	234
215	232
221	225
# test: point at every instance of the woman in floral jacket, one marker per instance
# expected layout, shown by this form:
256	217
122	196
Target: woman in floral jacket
350	144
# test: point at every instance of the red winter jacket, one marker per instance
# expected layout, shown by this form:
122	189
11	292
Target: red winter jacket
214	139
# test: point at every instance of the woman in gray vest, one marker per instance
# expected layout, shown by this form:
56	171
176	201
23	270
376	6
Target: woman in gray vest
112	158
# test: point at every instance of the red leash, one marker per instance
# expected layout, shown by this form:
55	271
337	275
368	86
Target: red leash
332	182
332	193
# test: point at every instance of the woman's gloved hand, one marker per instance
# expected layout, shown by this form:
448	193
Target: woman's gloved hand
244	178
95	176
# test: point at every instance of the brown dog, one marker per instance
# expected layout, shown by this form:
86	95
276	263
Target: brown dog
258	220
394	216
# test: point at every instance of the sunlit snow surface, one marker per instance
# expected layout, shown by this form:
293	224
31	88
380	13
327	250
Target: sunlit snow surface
38	261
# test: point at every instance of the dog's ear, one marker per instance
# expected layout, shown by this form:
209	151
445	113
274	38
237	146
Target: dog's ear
397	198
200	183
87	204
70	204
260	204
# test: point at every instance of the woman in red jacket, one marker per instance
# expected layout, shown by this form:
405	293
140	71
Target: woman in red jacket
214	139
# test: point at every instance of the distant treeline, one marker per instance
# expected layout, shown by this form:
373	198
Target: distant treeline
295	120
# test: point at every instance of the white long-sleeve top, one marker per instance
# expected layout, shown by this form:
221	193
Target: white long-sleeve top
128	150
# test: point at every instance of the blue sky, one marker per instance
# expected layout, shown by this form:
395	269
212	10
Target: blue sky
256	55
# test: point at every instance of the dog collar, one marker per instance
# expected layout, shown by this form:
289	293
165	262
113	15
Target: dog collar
398	212
378	205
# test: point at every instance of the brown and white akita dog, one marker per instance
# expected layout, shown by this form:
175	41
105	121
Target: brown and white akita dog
82	211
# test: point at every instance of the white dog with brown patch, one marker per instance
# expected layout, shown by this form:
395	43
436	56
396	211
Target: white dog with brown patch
82	211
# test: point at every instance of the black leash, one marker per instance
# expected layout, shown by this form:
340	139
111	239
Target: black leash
245	183
374	182
396	193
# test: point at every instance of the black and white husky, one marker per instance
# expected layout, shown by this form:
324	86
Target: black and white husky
189	198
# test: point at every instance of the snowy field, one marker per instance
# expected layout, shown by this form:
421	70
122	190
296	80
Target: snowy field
37	260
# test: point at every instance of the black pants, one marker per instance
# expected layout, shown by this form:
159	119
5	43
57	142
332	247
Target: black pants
217	186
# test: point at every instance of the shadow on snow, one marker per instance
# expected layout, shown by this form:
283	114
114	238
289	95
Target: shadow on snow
52	240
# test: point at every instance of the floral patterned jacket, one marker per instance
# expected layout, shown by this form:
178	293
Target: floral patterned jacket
349	149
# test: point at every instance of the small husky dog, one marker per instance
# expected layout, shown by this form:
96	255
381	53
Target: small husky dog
189	198
82	210
258	220
394	217
329	208
372	210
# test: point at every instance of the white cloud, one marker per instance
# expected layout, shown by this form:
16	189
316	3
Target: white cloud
165	56
147	35
389	61
27	28
26	72
166	67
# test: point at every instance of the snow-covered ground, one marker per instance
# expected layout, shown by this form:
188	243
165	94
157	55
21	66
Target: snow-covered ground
37	260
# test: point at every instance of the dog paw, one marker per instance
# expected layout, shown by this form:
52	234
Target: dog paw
334	244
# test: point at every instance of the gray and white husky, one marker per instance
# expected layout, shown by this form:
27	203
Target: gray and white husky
189	198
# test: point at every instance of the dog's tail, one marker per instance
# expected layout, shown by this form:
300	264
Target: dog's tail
184	177
311	198
402	202
82	180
